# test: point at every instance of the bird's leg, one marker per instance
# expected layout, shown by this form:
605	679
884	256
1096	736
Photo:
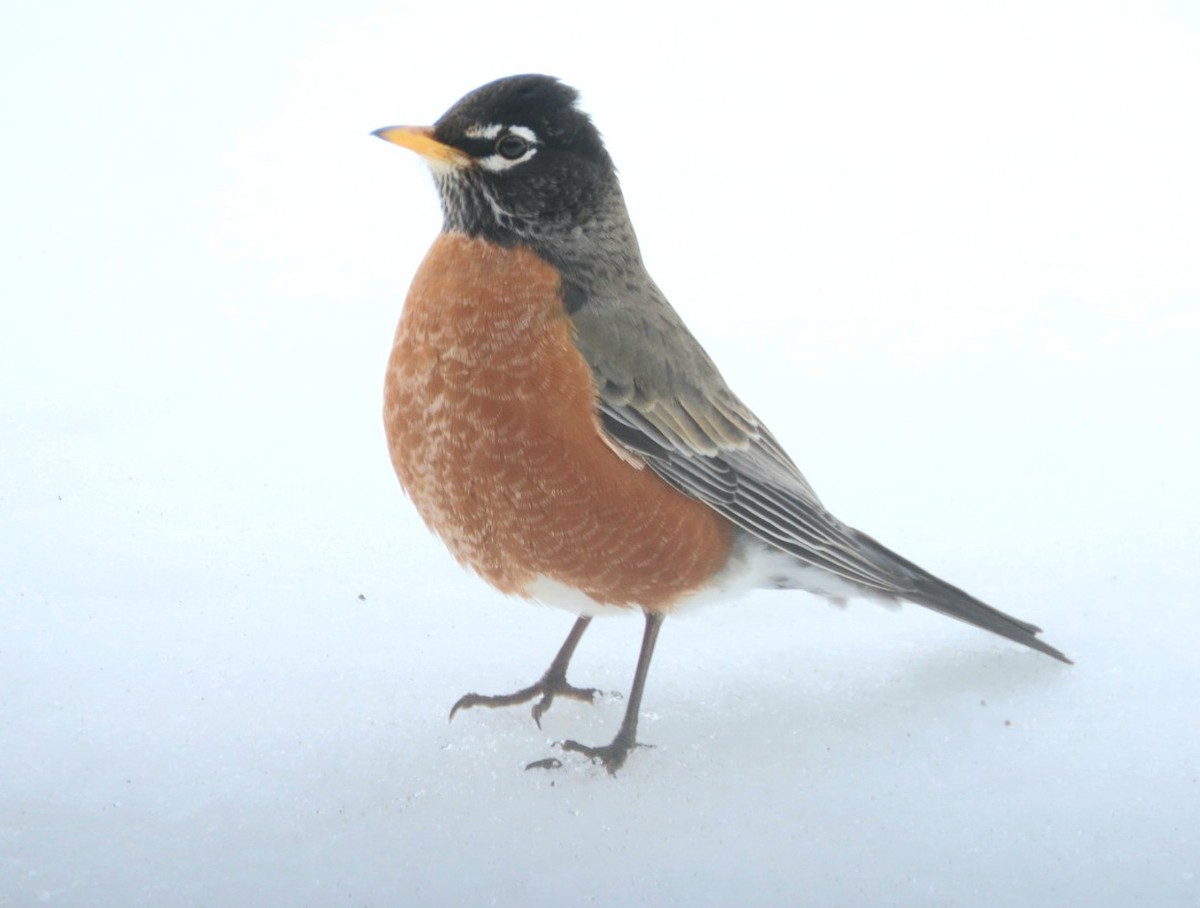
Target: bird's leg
613	755
552	684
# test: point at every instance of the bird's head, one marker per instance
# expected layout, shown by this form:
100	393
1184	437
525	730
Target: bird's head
516	161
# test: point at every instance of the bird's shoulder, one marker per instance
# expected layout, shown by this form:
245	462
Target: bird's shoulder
661	396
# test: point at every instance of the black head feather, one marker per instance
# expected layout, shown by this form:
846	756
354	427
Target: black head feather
540	103
539	167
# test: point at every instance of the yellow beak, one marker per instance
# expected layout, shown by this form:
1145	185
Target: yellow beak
420	139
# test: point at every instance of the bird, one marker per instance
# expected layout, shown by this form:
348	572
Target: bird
557	425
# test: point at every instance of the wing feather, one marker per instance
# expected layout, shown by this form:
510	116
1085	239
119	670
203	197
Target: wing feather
661	399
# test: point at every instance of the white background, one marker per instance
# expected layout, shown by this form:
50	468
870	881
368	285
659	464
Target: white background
948	251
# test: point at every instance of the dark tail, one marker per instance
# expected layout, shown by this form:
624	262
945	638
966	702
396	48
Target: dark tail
929	591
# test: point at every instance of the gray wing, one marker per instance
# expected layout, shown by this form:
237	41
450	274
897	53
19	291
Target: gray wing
660	397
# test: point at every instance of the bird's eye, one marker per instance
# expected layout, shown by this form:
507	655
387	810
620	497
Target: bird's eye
511	146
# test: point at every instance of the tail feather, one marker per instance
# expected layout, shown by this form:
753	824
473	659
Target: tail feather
936	594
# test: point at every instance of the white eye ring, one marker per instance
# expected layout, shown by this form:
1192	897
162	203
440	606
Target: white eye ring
513	146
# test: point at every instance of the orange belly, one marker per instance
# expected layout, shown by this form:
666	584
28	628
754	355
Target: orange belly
490	416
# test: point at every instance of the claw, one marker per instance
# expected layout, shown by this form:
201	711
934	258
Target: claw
539	708
547	763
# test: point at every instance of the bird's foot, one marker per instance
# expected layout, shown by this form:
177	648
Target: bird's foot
549	687
611	755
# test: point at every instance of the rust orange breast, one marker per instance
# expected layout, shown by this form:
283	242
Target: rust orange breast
490	416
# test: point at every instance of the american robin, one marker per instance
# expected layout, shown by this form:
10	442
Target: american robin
561	430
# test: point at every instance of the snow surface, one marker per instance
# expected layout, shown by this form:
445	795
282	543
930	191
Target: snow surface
947	251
